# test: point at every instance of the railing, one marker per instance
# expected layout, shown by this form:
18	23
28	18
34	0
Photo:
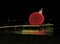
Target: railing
19	29
26	26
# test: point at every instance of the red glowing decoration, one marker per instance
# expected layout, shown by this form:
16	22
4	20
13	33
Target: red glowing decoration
36	18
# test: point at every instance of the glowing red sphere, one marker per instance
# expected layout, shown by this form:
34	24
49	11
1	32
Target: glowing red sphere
36	18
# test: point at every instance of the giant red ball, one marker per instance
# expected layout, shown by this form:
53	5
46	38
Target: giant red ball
36	18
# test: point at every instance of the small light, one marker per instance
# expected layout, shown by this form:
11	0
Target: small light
41	11
8	20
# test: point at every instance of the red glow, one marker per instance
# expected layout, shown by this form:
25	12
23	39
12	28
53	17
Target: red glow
42	32
34	33
36	18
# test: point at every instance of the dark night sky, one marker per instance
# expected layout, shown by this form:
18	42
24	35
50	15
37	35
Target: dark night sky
20	11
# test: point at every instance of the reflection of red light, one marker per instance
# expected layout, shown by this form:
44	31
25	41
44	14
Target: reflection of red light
42	32
34	33
36	18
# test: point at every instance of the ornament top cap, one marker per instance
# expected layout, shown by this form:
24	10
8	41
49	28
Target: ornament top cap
41	11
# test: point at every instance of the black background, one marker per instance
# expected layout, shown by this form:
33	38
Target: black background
20	10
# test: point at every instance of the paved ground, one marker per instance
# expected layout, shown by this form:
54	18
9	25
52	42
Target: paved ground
17	39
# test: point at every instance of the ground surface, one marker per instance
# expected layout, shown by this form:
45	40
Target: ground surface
17	39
